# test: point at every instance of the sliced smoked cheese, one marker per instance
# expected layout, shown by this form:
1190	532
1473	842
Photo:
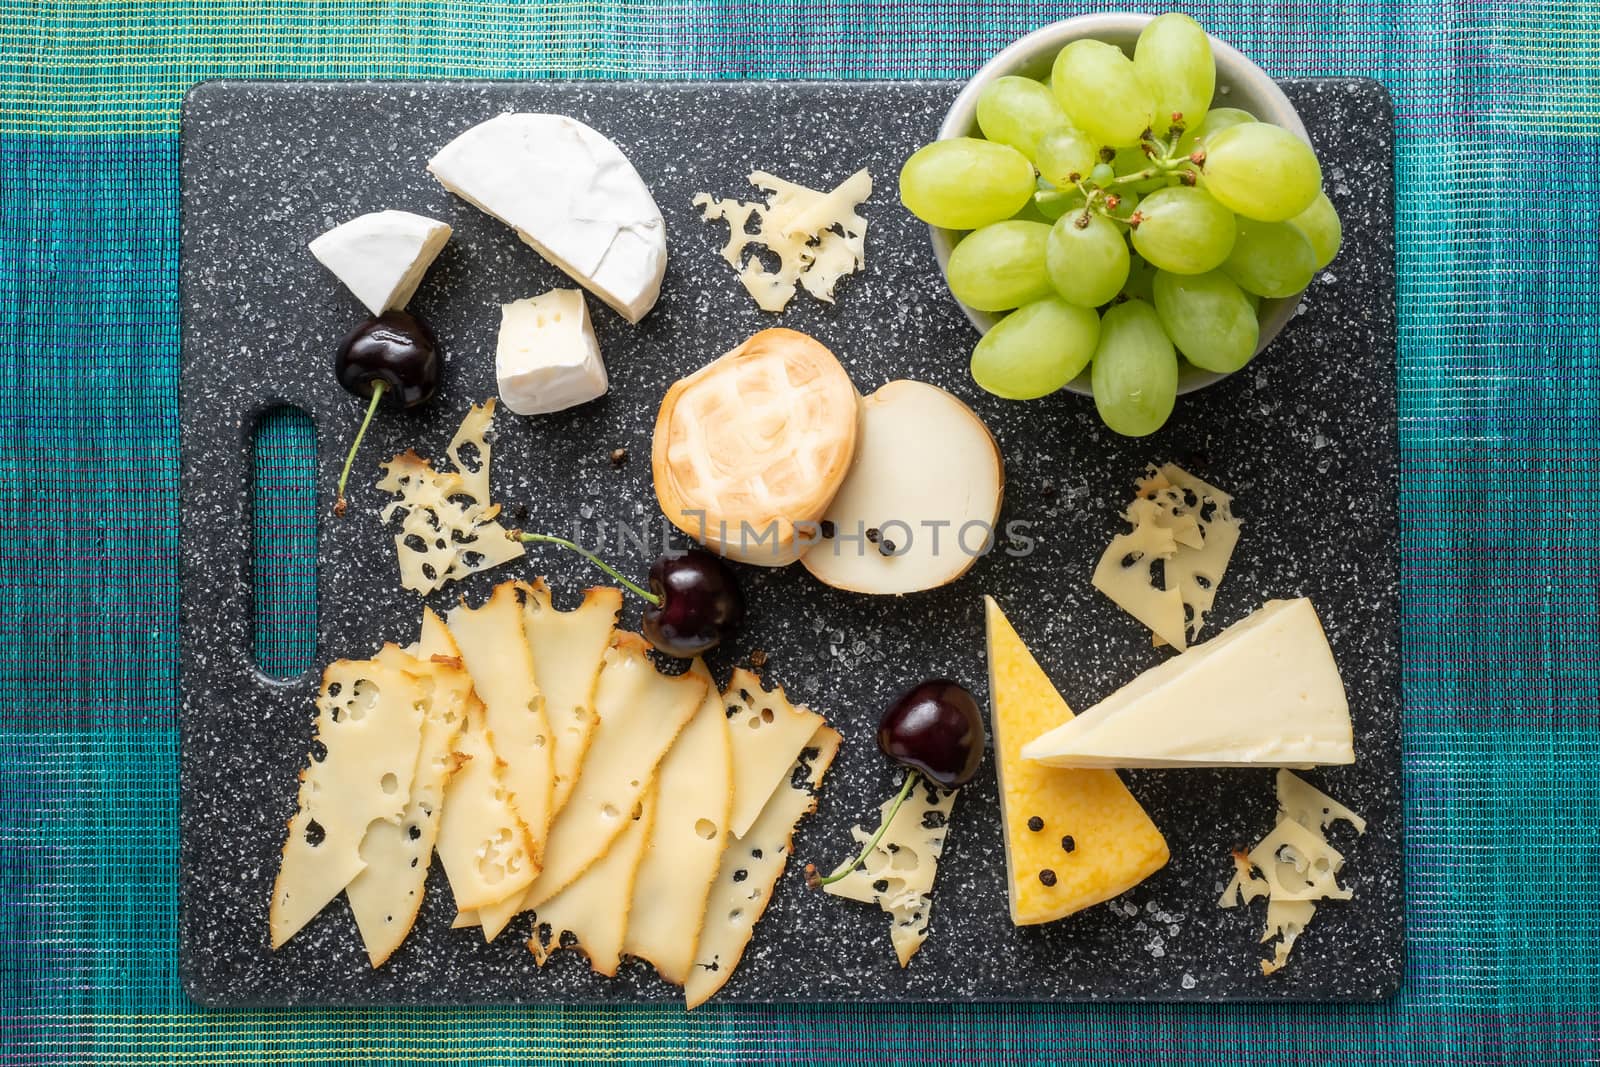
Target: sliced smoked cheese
754	443
767	734
1073	838
593	909
386	896
495	650
568	649
1264	692
694	787
751	868
641	712
368	731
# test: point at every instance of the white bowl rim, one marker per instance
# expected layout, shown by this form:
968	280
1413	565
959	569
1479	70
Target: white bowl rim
961	117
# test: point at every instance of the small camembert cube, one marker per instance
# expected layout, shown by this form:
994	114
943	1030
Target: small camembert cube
547	358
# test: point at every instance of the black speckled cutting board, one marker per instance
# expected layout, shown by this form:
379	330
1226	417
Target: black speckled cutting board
1305	438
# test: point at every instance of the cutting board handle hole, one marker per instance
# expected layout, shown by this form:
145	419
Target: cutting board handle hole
283	542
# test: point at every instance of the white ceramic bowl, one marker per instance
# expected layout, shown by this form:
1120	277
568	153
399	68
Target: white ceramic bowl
1240	83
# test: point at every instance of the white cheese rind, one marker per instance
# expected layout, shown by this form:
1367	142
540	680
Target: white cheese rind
750	870
570	194
1265	692
694	802
369	727
898	873
381	257
547	358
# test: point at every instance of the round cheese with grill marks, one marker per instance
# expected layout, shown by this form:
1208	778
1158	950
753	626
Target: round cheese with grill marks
750	449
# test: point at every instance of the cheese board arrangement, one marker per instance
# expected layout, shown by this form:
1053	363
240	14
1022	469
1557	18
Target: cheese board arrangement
707	612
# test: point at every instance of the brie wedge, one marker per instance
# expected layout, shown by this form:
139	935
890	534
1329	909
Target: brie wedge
381	257
1263	693
570	194
547	358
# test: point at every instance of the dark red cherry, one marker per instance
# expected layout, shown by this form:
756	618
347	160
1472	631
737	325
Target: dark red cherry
395	348
699	603
935	728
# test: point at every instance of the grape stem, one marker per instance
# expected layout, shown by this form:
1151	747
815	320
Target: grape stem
816	882
548	539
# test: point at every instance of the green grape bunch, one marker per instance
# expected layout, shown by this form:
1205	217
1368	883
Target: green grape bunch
1124	225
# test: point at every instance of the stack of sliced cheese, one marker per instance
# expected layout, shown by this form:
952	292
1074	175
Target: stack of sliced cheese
555	771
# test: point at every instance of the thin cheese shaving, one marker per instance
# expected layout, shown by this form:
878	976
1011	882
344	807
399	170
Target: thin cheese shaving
448	526
817	237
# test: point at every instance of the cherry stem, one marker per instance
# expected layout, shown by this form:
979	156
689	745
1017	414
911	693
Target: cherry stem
355	446
549	539
883	827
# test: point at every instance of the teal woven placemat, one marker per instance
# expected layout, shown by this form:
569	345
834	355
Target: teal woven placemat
1499	205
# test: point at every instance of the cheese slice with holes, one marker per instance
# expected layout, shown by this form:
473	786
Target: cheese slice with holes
767	733
1309	806
817	237
898	873
1286	920
568	649
368	730
1126	574
381	256
1196	570
640	712
495	651
571	195
1073	838
1298	864
386	896
448	527
1245	885
483	843
751	867
1264	692
694	801
592	913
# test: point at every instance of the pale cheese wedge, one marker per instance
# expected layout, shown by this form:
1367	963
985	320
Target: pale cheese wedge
1264	692
1072	838
571	195
898	873
368	731
382	256
751	867
641	712
568	649
694	801
483	843
495	651
767	733
386	896
594	909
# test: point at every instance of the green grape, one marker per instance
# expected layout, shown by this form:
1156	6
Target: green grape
1018	112
1087	259
1036	349
1031	212
1173	57
1135	375
1141	281
1065	155
1000	266
1271	259
1209	318
1101	92
1183	230
1216	120
1320	224
1261	171
1102	174
964	183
